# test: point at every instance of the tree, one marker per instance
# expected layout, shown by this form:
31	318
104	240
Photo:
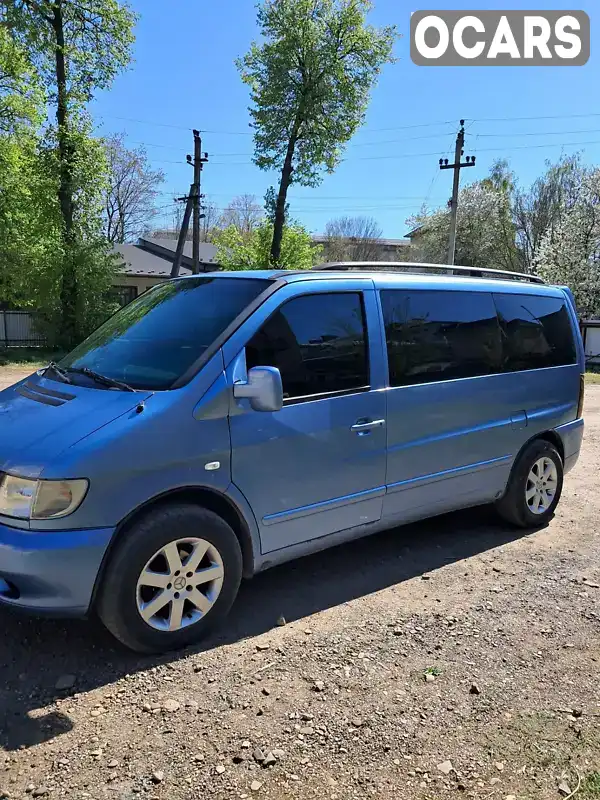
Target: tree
209	222
21	96
271	206
540	209
569	253
130	201
236	250
242	213
485	238
353	239
78	46
310	79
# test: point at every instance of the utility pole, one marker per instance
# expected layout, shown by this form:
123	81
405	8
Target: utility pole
199	162
192	206
457	166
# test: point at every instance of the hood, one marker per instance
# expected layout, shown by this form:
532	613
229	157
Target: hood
41	418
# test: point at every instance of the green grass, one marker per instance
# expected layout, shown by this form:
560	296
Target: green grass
27	356
590	786
435	671
592	377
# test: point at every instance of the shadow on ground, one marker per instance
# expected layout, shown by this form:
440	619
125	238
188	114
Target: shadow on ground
35	652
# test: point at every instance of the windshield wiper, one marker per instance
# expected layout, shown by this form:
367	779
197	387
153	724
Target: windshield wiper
59	371
103	379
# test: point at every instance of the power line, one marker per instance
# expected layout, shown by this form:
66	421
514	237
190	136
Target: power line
523	119
481	150
471	120
396	156
537	133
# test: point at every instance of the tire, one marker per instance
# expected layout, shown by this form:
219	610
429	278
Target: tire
141	578
519	500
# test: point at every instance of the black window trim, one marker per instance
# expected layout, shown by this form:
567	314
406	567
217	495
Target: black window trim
388	385
311	398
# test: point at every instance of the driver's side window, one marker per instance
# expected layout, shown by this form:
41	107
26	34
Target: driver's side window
319	344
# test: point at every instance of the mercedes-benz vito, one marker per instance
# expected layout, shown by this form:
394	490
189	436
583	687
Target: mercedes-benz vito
224	423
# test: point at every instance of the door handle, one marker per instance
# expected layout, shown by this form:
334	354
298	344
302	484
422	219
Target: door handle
362	427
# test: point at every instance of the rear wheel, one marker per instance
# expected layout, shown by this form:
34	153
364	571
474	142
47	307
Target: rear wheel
534	487
172	577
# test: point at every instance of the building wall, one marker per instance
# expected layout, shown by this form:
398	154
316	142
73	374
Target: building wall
591	338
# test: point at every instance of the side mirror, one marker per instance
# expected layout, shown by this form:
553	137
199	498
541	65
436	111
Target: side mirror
263	388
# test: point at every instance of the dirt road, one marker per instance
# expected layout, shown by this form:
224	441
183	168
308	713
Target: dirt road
452	657
10	375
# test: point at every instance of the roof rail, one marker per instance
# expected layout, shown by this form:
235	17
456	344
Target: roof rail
416	268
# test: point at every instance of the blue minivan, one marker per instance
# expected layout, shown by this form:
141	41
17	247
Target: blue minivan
223	423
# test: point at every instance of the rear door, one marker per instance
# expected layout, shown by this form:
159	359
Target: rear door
318	465
452	424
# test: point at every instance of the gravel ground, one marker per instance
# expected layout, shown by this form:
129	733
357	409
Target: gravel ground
10	375
452	657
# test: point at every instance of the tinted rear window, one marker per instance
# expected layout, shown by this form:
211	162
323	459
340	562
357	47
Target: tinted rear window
437	335
154	340
536	332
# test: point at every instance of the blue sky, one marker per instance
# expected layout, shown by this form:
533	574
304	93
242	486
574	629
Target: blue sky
184	76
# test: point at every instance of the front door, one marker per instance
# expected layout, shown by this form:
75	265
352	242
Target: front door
318	465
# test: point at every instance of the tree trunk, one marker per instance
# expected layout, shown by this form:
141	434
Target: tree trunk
284	185
68	294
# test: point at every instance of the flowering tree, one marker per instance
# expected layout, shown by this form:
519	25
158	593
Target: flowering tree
485	234
569	253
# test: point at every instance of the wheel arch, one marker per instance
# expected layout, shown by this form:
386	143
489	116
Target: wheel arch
212	500
549	436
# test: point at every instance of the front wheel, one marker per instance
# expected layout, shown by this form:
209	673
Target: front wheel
534	487
174	575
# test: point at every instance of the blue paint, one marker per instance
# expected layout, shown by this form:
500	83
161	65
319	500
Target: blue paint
447	472
300	478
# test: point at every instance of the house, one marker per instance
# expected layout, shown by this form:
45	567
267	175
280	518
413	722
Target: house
385	249
149	262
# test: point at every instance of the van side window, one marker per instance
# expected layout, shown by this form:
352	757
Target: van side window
319	344
536	332
439	335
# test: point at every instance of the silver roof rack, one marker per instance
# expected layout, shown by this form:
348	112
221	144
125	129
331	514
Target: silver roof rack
418	268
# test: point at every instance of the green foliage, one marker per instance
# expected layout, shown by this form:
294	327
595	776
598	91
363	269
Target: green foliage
73	47
34	356
271	205
236	251
98	39
310	78
590	786
89	255
32	249
21	95
30	241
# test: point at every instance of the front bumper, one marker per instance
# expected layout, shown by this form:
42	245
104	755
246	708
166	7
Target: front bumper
51	572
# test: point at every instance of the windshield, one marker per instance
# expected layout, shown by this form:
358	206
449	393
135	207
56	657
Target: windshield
151	342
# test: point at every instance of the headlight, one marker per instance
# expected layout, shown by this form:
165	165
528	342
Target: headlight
27	499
